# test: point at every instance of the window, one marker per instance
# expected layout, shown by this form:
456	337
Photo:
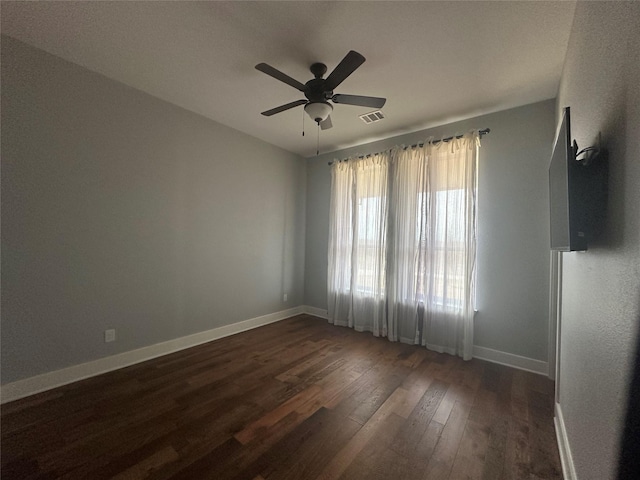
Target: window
444	253
368	228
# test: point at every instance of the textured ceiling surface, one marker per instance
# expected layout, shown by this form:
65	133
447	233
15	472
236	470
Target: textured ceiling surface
435	62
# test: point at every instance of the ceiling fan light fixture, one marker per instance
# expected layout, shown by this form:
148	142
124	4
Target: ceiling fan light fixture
318	111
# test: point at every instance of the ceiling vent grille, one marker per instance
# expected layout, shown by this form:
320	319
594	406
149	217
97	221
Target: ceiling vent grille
372	117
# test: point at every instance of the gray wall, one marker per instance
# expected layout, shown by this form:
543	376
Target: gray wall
122	211
601	288
513	230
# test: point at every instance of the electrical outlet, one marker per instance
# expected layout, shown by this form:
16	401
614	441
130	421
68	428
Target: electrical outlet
110	335
284	297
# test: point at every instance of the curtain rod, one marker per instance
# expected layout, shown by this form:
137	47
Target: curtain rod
481	132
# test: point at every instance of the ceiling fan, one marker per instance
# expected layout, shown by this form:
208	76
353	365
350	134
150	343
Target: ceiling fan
318	91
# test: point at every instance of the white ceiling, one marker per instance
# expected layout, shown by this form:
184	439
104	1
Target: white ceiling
435	62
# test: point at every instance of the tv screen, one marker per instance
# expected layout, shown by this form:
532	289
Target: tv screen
559	185
571	192
577	191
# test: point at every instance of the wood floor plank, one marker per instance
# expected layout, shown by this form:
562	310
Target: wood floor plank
544	455
297	371
247	434
341	461
469	461
411	399
297	399
148	465
408	437
495	454
516	456
375	460
302	453
444	454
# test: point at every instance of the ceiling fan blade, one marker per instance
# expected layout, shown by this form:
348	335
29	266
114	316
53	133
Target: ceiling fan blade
326	123
345	68
373	102
282	108
278	75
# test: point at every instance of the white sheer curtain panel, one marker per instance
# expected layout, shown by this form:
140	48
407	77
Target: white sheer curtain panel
402	244
340	243
409	183
357	243
448	247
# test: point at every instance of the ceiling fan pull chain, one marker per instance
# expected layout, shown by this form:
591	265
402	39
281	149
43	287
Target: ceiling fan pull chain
318	141
303	123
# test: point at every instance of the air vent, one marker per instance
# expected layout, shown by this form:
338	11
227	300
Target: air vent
372	117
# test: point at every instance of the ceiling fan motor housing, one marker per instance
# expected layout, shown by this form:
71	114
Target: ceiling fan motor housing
316	90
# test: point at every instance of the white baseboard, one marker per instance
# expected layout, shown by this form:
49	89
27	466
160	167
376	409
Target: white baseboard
57	378
568	468
315	311
511	360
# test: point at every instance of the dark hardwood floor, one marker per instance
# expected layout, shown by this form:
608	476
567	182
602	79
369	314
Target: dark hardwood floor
298	399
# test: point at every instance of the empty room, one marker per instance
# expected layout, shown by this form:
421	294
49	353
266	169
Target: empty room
320	240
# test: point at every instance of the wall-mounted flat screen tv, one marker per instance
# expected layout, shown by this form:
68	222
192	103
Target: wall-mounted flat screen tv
577	191
565	186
